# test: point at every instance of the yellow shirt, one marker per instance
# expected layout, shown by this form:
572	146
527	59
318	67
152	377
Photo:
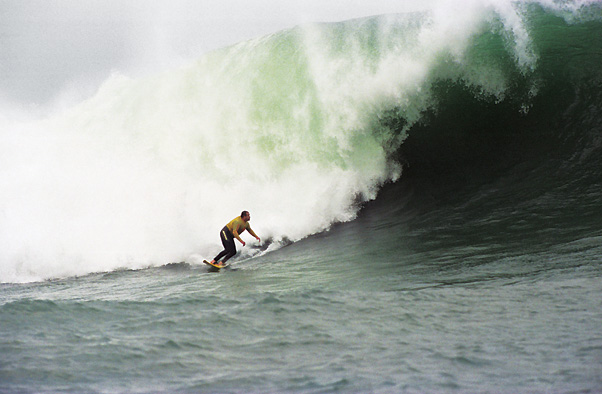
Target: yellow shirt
238	226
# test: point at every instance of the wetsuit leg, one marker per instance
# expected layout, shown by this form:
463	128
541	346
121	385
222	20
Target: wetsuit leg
229	246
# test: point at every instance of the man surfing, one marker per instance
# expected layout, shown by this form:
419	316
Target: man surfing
230	231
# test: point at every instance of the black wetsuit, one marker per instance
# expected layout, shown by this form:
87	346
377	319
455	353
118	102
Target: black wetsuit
229	246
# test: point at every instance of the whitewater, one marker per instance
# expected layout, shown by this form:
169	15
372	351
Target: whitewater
426	186
144	172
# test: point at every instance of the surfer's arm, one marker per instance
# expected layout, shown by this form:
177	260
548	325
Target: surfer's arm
235	233
250	230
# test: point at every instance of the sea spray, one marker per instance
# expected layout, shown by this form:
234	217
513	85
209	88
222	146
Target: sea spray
293	127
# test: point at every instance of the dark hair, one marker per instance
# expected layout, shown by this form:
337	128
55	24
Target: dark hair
243	213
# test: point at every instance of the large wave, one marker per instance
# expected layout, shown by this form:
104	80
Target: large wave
300	128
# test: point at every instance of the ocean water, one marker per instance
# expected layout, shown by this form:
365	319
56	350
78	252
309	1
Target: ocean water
427	187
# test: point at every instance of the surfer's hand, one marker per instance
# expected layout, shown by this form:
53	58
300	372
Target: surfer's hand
243	243
258	239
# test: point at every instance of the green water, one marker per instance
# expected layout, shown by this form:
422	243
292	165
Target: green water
431	230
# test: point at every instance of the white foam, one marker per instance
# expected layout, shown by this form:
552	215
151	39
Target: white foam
147	171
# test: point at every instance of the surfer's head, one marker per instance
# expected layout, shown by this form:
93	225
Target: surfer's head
245	215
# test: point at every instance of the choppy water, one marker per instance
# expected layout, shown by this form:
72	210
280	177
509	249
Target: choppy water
299	322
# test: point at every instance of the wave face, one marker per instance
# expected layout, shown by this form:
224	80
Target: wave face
303	127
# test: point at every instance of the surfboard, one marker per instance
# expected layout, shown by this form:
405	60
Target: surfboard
215	265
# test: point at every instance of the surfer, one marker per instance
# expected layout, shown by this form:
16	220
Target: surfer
230	231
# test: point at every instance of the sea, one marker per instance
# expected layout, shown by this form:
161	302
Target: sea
427	188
